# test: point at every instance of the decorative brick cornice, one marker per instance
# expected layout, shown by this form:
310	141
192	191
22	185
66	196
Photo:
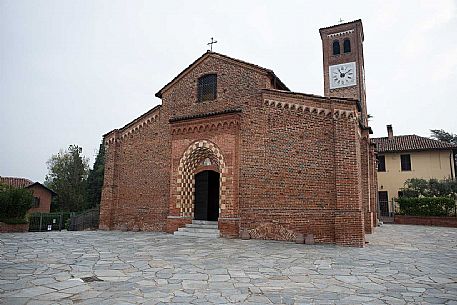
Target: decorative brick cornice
223	122
337	113
204	115
340	34
133	127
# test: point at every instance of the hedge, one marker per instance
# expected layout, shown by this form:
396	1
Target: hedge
427	206
14	204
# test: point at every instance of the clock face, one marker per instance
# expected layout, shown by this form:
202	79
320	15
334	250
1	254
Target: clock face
343	75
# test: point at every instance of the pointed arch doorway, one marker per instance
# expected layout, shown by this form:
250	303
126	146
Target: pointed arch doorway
207	195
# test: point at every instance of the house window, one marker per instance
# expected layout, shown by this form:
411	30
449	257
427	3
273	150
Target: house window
381	163
336	47
405	162
207	88
35	202
347	46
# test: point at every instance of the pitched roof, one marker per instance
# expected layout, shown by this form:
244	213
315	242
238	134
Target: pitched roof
359	21
409	143
16	182
46	188
22	183
269	72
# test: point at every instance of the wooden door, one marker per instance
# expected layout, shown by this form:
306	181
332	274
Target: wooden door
206	196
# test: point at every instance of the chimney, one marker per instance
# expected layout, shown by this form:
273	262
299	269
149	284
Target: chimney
390	132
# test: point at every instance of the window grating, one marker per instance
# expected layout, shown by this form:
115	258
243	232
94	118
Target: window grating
207	88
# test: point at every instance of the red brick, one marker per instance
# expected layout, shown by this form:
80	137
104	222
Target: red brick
291	164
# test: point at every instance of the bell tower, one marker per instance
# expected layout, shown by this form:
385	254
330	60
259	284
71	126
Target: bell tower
344	73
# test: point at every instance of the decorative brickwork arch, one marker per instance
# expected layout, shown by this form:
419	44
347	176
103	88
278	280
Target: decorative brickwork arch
191	159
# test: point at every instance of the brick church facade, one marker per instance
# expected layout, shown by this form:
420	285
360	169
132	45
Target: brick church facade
230	142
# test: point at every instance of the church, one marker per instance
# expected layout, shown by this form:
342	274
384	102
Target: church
231	144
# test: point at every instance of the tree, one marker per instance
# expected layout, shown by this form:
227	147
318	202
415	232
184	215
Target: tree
95	179
14	204
417	187
67	176
441	135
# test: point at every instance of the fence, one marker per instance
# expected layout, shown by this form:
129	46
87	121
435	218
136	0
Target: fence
86	220
39	222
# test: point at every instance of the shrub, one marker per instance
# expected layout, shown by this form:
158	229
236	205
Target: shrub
14	204
416	187
427	206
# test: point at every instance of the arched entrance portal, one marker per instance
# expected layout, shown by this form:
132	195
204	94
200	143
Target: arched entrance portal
201	156
206	195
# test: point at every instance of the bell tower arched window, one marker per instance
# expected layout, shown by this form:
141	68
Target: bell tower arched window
347	46
207	87
336	47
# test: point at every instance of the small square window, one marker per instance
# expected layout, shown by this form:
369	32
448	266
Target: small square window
207	88
36	202
405	162
381	163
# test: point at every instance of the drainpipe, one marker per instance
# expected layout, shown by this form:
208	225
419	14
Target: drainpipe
452	162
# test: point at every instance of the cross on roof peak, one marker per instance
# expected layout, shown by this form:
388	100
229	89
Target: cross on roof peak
211	44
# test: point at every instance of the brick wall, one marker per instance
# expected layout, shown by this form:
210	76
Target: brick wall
294	148
135	191
373	187
367	181
9	228
426	221
45	197
289	163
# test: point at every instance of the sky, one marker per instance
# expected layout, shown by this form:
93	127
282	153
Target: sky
71	71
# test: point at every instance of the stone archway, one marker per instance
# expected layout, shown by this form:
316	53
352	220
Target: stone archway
193	157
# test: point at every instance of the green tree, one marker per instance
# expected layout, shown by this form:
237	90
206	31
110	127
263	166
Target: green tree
95	179
444	136
416	187
67	176
14	203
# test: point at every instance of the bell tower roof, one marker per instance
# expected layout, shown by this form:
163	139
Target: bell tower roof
341	27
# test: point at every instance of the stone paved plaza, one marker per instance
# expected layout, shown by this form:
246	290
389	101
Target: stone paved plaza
401	264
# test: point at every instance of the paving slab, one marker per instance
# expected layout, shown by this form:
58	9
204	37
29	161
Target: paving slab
400	265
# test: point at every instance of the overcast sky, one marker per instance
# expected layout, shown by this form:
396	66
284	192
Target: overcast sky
70	71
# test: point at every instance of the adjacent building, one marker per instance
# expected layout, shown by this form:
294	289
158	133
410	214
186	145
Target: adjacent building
409	156
42	195
231	143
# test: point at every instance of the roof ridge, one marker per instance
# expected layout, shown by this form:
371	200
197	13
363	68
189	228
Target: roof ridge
223	56
16	181
341	24
410	143
309	95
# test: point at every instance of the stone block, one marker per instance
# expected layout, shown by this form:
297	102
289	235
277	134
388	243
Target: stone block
245	235
309	239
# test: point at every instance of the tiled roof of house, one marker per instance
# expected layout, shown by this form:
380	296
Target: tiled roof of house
22	183
409	143
15	182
